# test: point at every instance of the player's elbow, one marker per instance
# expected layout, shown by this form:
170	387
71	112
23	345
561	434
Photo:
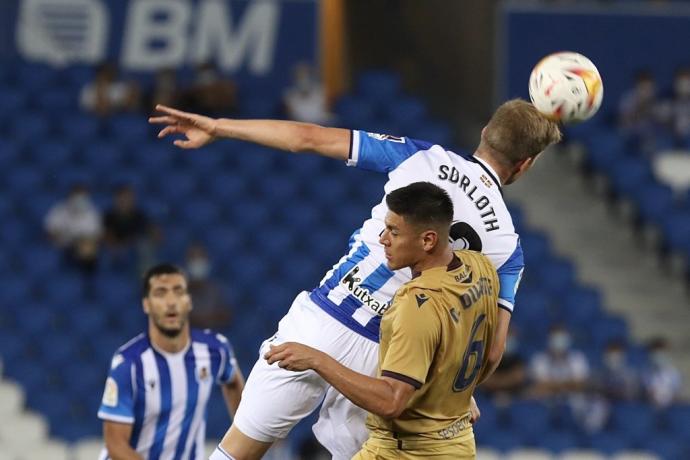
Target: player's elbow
305	138
496	353
391	410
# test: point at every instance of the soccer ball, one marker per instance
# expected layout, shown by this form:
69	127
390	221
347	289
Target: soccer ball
566	87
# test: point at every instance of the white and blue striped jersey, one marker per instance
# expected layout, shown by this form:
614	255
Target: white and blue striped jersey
358	289
164	395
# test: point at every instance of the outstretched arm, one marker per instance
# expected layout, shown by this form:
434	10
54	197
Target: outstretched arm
291	136
384	396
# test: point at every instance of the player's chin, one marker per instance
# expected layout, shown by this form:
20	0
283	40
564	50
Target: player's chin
392	265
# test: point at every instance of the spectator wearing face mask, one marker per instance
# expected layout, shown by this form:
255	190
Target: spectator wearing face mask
74	226
510	378
675	110
639	113
305	100
210	308
559	371
661	379
616	380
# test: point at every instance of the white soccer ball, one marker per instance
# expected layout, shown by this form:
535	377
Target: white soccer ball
566	87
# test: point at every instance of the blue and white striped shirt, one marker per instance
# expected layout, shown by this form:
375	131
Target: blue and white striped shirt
358	289
164	395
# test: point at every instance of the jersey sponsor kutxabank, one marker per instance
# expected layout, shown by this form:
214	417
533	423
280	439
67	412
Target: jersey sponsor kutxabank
358	289
164	395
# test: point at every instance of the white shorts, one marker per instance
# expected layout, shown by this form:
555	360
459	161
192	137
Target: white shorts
274	399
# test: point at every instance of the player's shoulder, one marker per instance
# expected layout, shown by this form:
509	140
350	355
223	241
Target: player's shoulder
133	348
210	338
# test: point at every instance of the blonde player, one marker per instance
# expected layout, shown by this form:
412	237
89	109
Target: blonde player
342	315
435	338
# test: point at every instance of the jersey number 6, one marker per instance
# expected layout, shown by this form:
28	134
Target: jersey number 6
474	353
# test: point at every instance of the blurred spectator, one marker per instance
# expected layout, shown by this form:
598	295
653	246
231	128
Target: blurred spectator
680	105
211	92
108	94
639	113
74	225
165	89
127	228
305	100
559	371
662	380
210	307
510	378
616	380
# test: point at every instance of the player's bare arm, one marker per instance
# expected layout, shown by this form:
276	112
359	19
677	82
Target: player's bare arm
498	345
291	136
232	392
117	436
385	397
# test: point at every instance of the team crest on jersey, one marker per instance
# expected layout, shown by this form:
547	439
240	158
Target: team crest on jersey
387	137
352	283
203	373
110	393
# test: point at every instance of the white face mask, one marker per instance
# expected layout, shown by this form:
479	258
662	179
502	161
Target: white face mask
559	342
511	345
79	202
661	358
198	269
614	359
682	86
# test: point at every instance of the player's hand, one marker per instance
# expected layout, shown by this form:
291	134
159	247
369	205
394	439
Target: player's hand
292	356
474	410
198	129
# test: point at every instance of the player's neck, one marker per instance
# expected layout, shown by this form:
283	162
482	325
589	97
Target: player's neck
169	344
442	259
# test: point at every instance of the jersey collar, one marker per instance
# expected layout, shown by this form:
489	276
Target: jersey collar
490	171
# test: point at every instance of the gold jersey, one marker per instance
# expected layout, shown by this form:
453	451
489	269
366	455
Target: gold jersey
436	336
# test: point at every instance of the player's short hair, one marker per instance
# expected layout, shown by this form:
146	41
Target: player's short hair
422	203
157	270
517	131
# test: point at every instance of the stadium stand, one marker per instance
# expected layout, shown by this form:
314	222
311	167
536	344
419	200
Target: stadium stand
58	329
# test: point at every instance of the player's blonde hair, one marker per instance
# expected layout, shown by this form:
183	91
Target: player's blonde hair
517	131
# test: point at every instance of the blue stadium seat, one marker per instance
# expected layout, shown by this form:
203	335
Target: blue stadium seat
210	160
380	86
176	186
250	213
605	149
529	418
56	100
557	441
35	318
15	290
629	173
15	233
225	187
199	213
35	78
258	106
64	288
117	289
634	420
676	420
279	188
608	443
354	112
677	231
130	128
13	344
533	313
654	201
86	318
12	100
535	248
668	447
80	128
434	132
581	306
154	158
557	276
406	112
607	329
103	156
40	261
29	126
52	154
25	181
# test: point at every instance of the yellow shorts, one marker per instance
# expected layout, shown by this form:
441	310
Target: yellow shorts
462	448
